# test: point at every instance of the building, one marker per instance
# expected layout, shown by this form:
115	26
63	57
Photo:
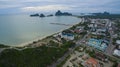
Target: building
101	57
91	62
118	65
116	52
79	29
67	36
118	44
98	43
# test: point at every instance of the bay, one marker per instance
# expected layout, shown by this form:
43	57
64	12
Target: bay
19	29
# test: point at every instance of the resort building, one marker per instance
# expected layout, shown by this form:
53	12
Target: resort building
67	36
98	43
91	62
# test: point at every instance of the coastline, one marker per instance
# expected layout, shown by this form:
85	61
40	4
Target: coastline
42	38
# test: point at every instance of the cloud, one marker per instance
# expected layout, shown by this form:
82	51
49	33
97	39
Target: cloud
46	8
80	6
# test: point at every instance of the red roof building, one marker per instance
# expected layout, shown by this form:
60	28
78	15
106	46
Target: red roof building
91	62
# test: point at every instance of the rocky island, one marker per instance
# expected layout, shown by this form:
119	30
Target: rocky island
59	13
33	15
50	15
42	15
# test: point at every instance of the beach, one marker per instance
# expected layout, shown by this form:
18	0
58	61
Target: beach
40	41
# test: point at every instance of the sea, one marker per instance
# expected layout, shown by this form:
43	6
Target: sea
20	29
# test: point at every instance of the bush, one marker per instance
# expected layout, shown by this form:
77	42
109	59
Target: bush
3	46
30	57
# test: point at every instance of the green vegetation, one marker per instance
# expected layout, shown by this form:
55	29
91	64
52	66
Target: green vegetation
111	16
83	33
91	53
33	57
80	48
52	43
114	40
81	65
115	64
30	57
3	46
68	44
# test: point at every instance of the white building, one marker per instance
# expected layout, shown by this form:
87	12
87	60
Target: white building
118	42
116	52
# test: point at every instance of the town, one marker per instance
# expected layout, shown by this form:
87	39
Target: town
59	33
94	42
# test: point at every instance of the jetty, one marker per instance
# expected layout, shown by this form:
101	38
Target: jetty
62	24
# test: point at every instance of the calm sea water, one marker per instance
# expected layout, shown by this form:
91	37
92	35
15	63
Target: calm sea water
19	29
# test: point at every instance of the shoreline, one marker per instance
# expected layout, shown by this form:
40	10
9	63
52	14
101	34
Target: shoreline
42	38
36	40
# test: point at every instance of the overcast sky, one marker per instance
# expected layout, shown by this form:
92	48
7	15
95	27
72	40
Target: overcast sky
80	6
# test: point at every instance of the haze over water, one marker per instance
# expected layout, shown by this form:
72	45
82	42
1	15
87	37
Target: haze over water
18	29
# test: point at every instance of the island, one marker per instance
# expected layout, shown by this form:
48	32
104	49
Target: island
34	15
50	15
42	15
59	13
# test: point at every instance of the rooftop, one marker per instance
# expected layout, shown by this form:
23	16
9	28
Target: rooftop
116	52
97	43
118	41
92	60
68	34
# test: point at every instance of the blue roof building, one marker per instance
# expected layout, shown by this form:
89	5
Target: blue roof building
67	36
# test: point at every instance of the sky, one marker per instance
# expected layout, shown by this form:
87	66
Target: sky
76	6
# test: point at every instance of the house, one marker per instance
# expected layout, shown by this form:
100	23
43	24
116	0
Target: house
116	52
91	62
101	57
101	31
118	44
118	65
90	25
68	36
79	29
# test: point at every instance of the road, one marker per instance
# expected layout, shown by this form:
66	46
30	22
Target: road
61	59
109	50
69	52
81	40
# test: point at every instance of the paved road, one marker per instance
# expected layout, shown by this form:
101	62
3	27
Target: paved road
109	50
61	59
